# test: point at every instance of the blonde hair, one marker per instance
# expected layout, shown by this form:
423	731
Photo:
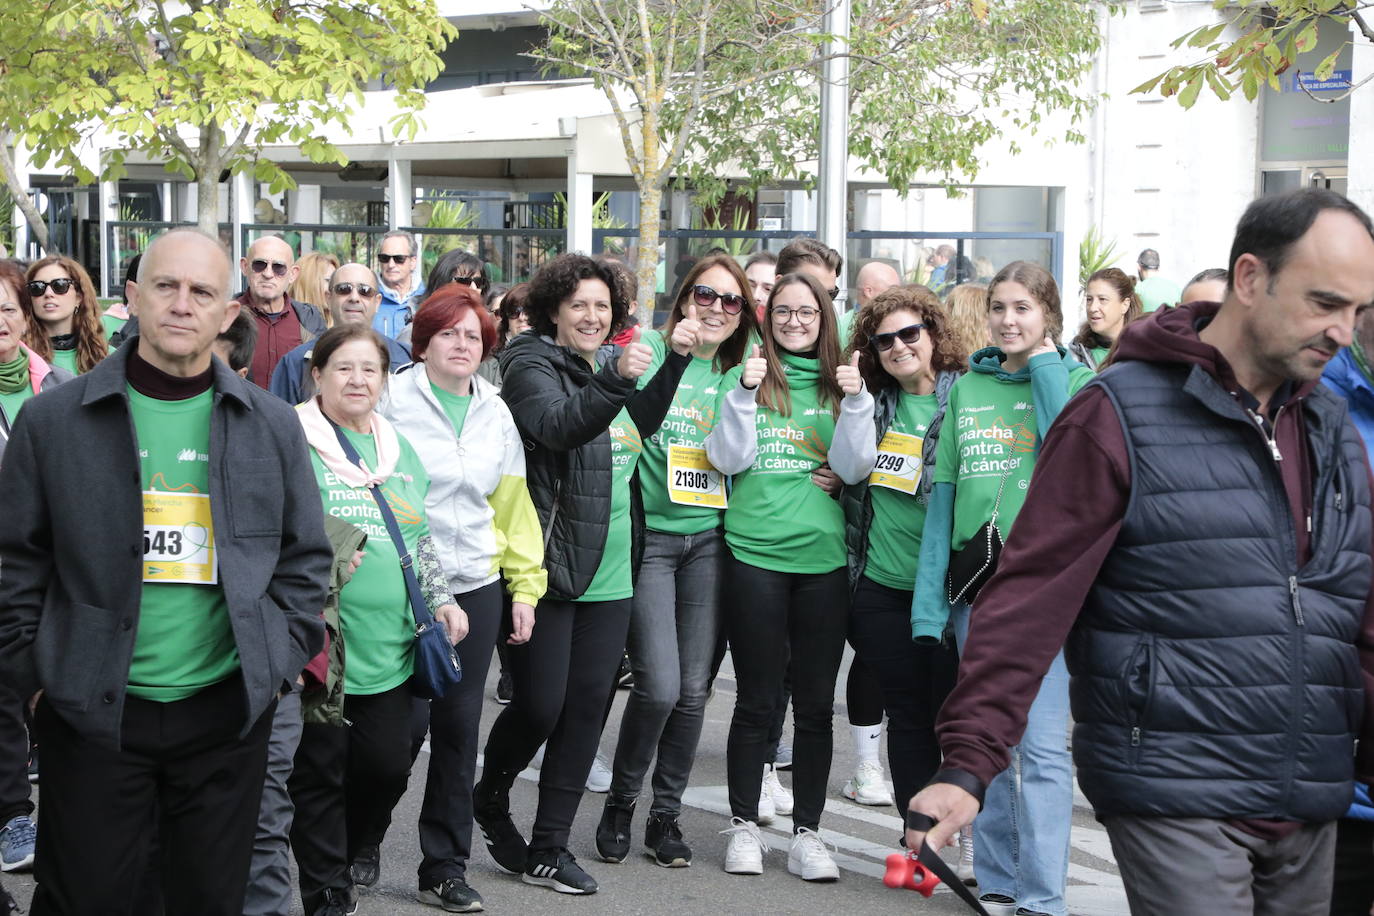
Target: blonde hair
967	305
312	283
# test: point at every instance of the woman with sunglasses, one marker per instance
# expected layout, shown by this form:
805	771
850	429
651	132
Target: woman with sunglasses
64	315
454	266
675	619
997	416
510	320
909	361
785	412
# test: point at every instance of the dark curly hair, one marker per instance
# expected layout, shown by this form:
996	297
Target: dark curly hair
946	351
557	280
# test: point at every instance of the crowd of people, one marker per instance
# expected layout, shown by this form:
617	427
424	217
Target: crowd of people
234	525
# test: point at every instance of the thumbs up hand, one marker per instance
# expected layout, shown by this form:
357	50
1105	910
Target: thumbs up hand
634	358
687	332
755	368
848	377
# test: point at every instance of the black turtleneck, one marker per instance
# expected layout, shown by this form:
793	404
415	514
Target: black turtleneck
150	381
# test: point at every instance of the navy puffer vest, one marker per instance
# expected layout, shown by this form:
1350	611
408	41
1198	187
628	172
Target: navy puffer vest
1213	677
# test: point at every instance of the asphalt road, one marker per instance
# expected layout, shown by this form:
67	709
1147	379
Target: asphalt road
860	838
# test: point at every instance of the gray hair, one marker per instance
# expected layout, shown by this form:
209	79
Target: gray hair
401	234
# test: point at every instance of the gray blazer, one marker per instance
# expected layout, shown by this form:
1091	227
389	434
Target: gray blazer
71	544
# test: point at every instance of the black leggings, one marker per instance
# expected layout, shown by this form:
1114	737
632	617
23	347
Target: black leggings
772	615
862	694
914	679
563	676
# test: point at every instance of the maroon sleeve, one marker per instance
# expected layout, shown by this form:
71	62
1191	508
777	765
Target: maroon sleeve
1364	760
1077	497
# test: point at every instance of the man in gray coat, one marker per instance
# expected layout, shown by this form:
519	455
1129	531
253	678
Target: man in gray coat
163	565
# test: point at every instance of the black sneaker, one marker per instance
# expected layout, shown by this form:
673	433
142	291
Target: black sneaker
625	677
664	838
453	895
504	842
366	867
505	688
336	902
556	868
613	833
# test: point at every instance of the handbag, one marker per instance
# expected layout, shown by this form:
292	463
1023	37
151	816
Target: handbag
436	665
971	567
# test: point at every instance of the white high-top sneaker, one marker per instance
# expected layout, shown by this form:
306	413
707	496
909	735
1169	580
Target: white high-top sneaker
782	798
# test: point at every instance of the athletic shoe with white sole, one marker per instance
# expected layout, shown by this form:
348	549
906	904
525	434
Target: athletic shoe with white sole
964	870
556	868
809	858
18	839
452	895
782	798
599	779
868	785
744	852
767	809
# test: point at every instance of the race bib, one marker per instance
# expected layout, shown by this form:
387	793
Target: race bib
691	479
178	539
899	463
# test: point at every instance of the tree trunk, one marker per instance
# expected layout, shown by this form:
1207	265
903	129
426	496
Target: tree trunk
646	259
38	227
207	179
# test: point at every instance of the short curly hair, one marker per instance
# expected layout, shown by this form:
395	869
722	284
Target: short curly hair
946	351
557	280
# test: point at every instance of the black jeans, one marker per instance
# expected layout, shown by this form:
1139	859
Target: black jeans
915	680
771	615
563	677
182	772
344	784
14	758
454	727
863	695
1352	891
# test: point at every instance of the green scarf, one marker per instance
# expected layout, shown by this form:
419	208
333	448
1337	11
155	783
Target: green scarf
14	375
1361	360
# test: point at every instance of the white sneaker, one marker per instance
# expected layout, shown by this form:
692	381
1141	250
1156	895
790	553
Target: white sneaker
964	870
772	785
744	853
809	858
868	785
599	779
767	808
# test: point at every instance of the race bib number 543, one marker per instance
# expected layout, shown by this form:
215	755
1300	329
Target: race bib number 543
178	538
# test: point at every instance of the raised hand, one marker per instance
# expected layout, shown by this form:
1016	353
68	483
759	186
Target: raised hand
634	358
755	368
851	382
1045	346
687	332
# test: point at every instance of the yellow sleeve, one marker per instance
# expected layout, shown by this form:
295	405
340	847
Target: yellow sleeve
519	540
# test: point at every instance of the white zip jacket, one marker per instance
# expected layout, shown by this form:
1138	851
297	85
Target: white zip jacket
480	513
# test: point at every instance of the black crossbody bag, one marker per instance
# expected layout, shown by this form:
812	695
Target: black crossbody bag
971	567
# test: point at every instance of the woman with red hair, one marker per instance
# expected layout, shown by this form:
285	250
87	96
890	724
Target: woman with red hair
484	522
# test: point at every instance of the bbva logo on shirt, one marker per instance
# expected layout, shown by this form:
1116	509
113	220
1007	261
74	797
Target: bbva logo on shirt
1021	405
190	454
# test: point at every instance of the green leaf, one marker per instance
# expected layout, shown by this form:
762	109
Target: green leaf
1189	95
1328	65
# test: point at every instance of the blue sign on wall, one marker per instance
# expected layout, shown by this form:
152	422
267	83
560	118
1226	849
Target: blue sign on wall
1339	81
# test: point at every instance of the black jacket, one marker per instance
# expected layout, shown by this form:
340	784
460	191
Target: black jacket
563	408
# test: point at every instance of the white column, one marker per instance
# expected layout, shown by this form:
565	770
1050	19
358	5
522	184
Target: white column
241	201
580	201
1359	168
834	163
399	192
108	199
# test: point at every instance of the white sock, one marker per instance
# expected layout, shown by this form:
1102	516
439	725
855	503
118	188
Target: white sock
867	740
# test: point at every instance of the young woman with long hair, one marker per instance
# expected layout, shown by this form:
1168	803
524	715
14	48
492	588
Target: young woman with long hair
64	315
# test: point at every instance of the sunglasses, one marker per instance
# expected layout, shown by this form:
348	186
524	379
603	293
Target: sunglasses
346	289
260	265
394	258
471	281
61	286
804	315
907	335
706	297
833	292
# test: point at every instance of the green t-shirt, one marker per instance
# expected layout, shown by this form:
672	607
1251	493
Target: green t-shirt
66	359
11	403
614	578
1157	291
455	405
112	324
681	441
894	538
374	607
778	519
184	641
989	423
1099	355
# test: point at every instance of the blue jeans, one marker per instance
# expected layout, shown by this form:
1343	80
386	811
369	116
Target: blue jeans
1021	838
674	625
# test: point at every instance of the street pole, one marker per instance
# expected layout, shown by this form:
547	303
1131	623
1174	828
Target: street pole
831	210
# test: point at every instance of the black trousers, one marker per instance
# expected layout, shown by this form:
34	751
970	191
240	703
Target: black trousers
1352	892
454	725
345	781
563	676
183	772
914	680
14	758
769	615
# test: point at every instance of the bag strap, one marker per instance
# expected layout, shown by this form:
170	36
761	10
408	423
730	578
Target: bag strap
997	506
418	607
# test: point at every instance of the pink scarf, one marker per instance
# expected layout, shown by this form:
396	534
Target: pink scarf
319	433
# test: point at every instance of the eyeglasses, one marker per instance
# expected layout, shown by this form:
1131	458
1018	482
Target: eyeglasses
706	297
260	265
346	289
471	281
907	335
394	258
61	286
804	315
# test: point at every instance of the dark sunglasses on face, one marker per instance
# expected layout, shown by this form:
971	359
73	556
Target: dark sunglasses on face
346	289
260	265
393	258
471	281
706	297
833	292
907	335
61	286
